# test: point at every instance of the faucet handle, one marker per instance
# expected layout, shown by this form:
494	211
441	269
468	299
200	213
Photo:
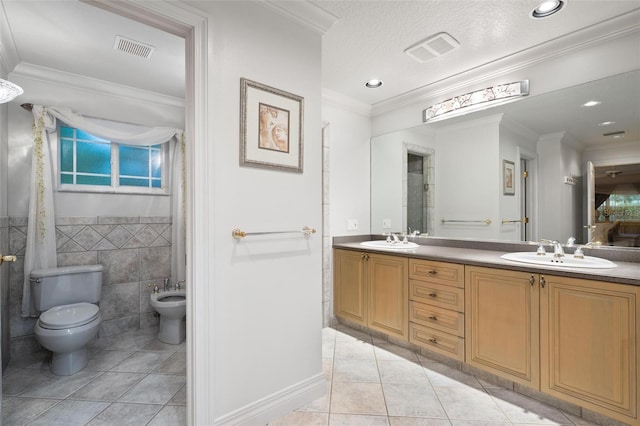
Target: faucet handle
155	287
178	284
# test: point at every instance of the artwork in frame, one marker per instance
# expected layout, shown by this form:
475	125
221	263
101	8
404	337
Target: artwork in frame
508	177
271	123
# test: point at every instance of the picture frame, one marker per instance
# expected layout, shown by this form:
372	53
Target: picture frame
271	127
508	177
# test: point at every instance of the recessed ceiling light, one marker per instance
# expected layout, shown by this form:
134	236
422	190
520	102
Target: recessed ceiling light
547	8
591	103
373	84
606	123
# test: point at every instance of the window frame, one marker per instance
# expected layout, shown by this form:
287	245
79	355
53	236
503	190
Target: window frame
115	187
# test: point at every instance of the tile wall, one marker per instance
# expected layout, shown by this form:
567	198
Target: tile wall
135	252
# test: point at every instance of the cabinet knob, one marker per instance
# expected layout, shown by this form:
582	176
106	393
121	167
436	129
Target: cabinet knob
433	340
433	294
532	280
542	281
433	318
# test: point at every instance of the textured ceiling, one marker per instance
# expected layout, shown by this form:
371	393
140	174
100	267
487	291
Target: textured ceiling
370	37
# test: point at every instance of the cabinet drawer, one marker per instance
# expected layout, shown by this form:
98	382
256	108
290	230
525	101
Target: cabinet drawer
437	295
437	272
437	341
439	318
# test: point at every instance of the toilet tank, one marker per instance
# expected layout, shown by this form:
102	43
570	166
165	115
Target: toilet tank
66	285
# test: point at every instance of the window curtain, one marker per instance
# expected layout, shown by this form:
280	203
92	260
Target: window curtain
41	237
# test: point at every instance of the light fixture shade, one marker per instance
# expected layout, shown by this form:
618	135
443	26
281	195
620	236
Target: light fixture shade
9	91
480	99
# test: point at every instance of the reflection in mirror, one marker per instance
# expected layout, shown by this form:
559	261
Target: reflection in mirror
617	205
551	136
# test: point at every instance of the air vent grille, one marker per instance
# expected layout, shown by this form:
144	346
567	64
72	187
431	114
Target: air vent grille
618	133
133	47
432	47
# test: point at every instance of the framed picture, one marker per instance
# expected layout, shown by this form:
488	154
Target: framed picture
508	178
271	122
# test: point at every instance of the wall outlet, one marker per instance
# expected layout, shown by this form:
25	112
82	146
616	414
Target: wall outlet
386	223
352	224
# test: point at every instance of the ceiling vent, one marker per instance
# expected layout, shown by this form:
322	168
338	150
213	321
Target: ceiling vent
432	47
133	47
619	133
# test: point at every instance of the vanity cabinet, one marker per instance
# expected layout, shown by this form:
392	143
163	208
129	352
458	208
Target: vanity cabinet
372	290
570	338
436	306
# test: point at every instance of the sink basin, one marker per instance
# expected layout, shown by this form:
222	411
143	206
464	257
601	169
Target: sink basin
382	244
568	261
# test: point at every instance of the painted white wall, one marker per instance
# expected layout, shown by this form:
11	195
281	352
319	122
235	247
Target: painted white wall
627	152
468	179
92	98
349	167
266	290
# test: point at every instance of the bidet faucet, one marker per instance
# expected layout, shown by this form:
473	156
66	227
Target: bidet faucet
166	284
558	251
178	283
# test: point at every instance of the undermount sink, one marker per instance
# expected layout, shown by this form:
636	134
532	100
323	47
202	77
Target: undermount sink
393	245
567	261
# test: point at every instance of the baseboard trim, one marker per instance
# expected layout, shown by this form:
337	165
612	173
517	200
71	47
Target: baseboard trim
277	404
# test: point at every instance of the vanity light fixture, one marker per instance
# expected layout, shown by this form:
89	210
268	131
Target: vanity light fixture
479	99
373	84
9	91
547	8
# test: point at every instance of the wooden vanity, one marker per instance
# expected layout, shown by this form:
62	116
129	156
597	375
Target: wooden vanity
573	336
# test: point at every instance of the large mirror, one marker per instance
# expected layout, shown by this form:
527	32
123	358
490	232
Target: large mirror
464	177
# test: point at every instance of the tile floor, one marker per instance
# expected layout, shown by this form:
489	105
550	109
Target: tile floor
374	383
131	379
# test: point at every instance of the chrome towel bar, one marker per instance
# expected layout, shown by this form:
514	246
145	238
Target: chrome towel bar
486	221
239	234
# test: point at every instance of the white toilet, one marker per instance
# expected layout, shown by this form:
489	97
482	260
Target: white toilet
70	318
172	307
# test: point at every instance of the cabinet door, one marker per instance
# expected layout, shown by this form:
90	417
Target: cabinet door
388	295
589	348
502	323
349	286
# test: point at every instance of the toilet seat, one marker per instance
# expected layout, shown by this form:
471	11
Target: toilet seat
67	316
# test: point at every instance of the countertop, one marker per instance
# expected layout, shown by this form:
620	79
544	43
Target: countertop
624	273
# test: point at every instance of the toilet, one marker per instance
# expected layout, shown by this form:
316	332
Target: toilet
172	307
69	319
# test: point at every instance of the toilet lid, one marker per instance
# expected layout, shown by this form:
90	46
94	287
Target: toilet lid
66	316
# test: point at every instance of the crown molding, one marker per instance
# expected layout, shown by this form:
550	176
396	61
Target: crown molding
304	12
512	125
9	57
339	100
52	76
608	30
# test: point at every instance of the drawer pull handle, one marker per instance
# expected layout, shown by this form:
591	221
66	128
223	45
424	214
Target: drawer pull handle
433	318
433	340
433	294
432	272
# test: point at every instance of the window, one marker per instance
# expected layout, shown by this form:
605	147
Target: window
89	163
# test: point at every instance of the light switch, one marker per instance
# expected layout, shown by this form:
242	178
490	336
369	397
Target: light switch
352	224
386	223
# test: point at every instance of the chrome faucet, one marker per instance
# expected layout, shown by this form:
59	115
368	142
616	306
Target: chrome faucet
167	286
558	251
178	284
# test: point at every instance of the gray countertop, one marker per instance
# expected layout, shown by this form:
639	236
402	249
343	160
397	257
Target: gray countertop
624	273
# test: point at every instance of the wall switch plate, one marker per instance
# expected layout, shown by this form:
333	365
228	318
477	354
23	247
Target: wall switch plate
386	223
570	180
352	224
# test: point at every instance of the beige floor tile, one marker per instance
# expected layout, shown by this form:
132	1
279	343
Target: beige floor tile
470	404
410	400
355	370
357	398
417	421
354	349
345	334
70	412
320	405
401	372
18	411
521	409
300	418
125	414
154	389
357	420
443	375
108	387
389	351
